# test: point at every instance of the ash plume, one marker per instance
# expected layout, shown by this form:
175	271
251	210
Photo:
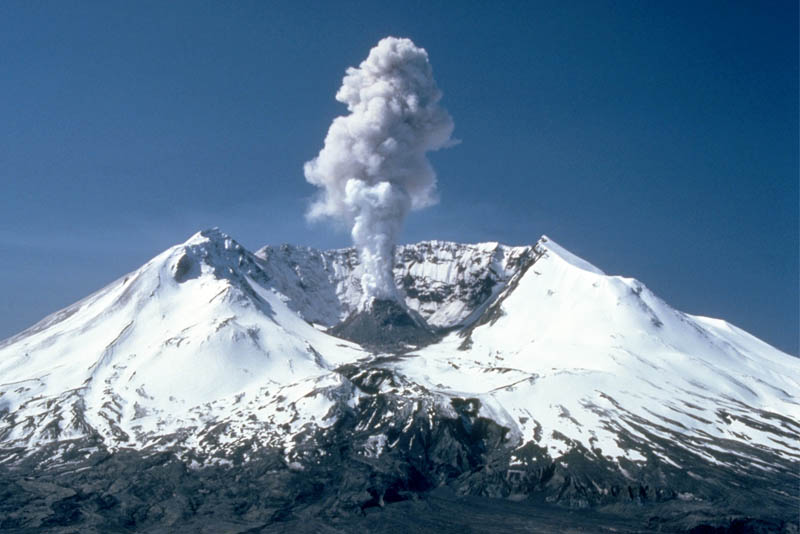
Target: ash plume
373	168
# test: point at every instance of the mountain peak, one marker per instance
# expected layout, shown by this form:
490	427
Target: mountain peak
209	235
568	257
222	255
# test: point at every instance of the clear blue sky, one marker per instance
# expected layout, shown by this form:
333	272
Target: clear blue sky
658	140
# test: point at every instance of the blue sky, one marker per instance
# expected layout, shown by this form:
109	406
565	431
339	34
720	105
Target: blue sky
658	140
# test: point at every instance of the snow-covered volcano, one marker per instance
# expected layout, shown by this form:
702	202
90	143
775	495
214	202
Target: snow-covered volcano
540	375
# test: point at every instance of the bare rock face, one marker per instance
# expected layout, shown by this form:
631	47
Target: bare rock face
385	325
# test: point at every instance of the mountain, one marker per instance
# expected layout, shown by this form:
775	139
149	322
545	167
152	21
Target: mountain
210	383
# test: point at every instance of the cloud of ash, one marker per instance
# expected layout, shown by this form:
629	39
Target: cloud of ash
373	169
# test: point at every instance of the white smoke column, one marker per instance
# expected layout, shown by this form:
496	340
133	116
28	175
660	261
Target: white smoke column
373	168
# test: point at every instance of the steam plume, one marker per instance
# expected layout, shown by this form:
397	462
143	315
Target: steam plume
373	169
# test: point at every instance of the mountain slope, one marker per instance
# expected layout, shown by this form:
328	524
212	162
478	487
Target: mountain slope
171	348
545	379
570	359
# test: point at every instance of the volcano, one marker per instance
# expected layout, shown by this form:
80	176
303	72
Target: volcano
509	389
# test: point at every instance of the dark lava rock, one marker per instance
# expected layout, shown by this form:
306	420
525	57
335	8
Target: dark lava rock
385	325
442	468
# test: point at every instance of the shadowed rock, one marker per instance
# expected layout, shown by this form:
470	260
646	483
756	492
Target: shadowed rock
385	325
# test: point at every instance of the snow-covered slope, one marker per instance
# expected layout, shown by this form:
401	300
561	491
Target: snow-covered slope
568	357
543	364
190	339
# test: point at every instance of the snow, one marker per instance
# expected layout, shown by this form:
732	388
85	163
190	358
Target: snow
145	352
323	286
604	349
207	336
563	254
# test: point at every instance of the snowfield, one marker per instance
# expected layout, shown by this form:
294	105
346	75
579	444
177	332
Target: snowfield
209	347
